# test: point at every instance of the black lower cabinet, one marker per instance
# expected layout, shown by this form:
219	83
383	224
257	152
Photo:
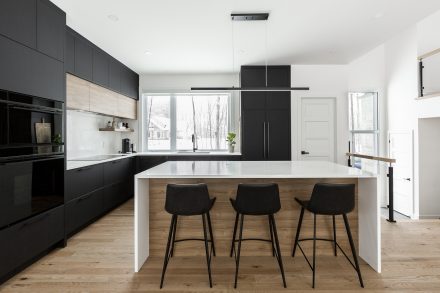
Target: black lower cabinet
83	210
23	243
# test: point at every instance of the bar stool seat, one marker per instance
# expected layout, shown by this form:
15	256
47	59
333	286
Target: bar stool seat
330	200
256	200
189	200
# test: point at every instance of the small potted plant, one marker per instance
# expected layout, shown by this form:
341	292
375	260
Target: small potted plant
58	141
231	141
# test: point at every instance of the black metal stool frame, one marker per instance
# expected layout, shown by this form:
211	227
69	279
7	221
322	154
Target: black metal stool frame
172	241
276	252
335	245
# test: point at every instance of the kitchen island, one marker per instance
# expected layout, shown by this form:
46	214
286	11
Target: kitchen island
295	179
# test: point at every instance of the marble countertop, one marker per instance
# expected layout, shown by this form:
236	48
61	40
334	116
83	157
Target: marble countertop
77	163
252	169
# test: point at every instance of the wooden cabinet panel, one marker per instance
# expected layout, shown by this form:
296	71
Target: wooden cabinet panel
51	23
78	93
127	107
103	100
17	21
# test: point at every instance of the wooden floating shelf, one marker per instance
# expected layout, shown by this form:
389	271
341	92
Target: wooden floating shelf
116	129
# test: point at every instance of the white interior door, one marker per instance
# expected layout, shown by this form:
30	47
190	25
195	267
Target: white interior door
317	129
401	148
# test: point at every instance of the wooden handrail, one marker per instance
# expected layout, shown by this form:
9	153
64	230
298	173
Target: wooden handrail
429	54
382	159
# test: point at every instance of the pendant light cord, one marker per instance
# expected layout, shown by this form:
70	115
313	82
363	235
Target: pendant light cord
265	38
233	48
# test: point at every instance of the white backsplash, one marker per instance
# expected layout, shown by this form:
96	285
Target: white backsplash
84	138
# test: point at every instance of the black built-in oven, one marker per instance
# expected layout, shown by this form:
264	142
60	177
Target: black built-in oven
31	156
30	126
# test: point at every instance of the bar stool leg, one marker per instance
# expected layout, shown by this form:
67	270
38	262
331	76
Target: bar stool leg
334	236
237	260
298	230
208	258
278	251
211	235
174	237
353	249
271	236
314	249
234	234
167	251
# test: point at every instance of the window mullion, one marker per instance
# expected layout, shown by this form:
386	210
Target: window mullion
173	120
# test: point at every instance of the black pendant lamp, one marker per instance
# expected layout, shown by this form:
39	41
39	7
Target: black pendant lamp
249	17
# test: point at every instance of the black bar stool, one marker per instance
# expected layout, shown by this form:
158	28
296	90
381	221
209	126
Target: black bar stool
257	200
330	200
188	200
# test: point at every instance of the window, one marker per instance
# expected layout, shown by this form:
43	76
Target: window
363	123
172	120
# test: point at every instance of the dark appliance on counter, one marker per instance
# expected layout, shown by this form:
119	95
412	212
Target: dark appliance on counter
126	146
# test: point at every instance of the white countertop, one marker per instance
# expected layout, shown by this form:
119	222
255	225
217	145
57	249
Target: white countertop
252	169
77	163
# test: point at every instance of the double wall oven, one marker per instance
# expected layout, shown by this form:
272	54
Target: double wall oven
31	156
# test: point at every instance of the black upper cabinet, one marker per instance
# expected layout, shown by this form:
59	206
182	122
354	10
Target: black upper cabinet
255	76
69	60
253	100
114	75
83	59
125	81
50	29
278	76
18	19
278	100
100	67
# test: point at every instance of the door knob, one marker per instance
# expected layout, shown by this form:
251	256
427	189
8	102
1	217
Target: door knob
407	179
304	153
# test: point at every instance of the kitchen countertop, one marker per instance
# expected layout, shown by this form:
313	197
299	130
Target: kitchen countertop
252	169
77	163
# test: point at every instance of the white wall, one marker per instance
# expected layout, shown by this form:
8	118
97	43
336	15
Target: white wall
429	161
84	138
325	81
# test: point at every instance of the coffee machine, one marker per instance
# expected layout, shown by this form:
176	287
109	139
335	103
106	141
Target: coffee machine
125	145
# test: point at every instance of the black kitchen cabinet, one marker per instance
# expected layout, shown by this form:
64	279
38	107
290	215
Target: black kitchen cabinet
69	60
27	71
51	22
114	75
100	68
82	181
17	21
81	211
118	170
266	122
83	59
204	158
22	243
147	162
129	83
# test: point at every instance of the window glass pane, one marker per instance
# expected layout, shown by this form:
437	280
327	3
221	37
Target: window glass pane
158	123
365	144
363	109
205	116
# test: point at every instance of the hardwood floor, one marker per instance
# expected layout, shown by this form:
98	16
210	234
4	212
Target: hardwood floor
99	259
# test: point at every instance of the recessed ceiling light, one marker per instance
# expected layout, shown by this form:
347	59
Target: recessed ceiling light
378	15
113	17
148	53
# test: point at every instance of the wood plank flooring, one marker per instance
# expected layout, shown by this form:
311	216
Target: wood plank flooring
99	259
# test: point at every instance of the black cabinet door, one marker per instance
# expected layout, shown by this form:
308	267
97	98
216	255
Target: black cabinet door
83	180
51	22
115	194
83	210
253	100
278	100
18	19
145	163
83	59
69	60
55	222
117	171
100	67
278	76
253	138
134	85
253	76
27	71
126	81
278	135
114	75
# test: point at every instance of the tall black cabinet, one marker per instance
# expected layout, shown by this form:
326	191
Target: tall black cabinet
265	115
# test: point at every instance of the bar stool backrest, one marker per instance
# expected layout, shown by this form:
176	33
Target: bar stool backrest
332	199
258	199
187	199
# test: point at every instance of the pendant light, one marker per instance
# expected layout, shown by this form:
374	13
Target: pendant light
250	17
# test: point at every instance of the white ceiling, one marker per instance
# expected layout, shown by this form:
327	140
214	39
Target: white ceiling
195	36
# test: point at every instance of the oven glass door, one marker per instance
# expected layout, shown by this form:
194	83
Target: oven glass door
30	187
